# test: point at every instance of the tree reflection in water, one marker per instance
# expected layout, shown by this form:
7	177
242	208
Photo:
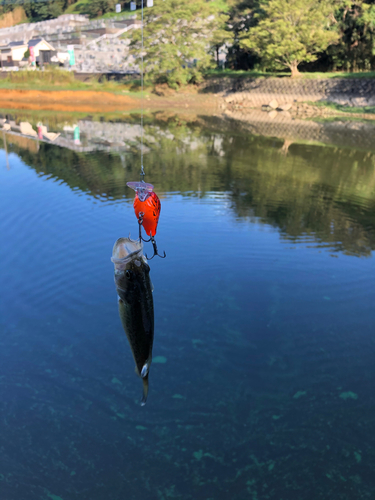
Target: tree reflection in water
319	193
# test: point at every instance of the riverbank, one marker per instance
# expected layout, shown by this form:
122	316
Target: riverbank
324	98
258	92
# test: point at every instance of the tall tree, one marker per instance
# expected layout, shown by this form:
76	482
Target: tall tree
178	38
241	19
291	31
356	26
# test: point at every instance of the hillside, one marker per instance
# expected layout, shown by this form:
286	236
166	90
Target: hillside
11	18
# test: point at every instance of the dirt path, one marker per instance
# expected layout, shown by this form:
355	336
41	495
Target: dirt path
65	100
96	102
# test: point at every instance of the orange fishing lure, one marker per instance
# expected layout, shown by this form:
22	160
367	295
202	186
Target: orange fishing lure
147	208
148	211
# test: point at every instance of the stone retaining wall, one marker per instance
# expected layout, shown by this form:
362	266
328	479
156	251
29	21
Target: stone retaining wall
259	91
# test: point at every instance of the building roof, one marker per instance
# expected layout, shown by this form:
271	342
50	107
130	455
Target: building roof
12	45
16	44
34	41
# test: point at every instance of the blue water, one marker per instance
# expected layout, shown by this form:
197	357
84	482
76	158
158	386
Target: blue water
262	384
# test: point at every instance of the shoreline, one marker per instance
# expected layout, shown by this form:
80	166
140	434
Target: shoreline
188	101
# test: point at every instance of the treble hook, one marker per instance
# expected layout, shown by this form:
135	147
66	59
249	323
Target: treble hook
140	222
155	249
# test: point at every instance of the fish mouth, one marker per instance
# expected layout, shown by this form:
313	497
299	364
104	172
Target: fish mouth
124	251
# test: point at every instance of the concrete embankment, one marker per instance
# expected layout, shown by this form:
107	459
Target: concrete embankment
255	92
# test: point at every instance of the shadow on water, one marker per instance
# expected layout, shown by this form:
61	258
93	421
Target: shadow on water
306	191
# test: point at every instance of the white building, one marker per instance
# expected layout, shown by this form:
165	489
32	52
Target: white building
39	44
14	52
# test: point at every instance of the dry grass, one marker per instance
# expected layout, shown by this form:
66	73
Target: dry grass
51	76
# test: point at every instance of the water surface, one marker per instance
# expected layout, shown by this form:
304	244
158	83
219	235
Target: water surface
262	385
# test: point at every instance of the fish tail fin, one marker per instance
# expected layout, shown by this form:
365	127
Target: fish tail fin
145	390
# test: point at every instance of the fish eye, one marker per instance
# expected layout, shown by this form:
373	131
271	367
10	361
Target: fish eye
128	274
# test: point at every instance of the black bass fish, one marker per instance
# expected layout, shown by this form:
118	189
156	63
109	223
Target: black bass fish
135	303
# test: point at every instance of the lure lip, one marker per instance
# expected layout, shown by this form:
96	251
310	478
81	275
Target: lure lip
130	248
140	185
143	189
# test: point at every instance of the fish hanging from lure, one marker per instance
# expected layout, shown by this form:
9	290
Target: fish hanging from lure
147	208
132	272
135	303
133	283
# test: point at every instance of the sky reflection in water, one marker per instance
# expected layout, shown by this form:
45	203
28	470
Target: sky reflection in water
262	384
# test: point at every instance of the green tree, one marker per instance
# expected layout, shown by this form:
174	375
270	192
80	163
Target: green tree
43	10
178	38
37	10
291	31
10	5
356	26
96	8
241	19
223	34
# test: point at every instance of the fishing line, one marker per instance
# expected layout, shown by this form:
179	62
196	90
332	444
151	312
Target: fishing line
142	170
146	204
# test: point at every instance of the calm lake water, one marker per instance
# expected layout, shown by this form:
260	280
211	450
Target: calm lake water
262	385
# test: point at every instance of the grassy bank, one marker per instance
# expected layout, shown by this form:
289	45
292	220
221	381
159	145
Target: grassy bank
339	108
60	79
56	78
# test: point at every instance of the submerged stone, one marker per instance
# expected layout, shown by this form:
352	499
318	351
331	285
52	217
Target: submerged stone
348	395
159	359
53	497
